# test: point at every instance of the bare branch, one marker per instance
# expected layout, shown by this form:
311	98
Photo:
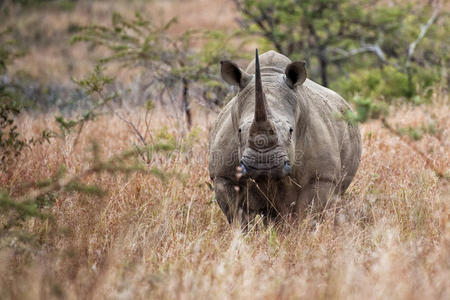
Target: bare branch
374	48
133	128
423	31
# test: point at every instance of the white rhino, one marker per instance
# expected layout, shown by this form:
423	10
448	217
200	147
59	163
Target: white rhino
279	148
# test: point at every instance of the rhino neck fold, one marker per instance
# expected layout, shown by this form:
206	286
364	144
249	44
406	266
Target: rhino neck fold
260	102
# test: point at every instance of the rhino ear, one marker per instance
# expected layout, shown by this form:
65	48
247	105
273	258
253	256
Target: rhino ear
295	73
232	74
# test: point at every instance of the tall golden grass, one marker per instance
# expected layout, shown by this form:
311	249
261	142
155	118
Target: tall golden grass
388	237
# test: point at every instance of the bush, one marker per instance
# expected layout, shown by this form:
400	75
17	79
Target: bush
390	51
11	144
387	83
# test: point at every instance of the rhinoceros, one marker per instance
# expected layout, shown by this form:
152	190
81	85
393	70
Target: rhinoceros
279	148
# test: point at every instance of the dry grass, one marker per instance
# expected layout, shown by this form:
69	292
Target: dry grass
389	237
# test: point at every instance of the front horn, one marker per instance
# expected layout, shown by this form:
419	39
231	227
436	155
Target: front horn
260	103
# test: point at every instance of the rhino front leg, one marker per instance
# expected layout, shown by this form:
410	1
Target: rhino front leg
226	196
316	197
237	203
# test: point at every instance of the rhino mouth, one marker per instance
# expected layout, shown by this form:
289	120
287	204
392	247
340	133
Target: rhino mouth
263	171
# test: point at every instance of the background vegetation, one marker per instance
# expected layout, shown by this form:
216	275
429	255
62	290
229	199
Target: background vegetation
104	116
365	47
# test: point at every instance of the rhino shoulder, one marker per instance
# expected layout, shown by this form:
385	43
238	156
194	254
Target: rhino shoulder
335	145
224	113
223	146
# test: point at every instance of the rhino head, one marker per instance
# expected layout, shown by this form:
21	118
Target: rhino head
265	118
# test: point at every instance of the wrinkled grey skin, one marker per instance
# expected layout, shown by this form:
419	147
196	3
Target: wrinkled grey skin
281	150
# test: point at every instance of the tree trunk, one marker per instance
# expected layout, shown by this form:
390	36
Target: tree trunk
323	69
411	89
186	106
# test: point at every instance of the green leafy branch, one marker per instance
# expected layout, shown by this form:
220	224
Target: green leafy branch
12	103
93	85
29	203
169	64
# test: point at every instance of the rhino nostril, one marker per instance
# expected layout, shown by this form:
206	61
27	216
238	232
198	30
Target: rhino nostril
243	168
287	168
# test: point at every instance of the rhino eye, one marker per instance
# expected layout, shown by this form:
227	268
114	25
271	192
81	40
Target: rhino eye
240	130
291	130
